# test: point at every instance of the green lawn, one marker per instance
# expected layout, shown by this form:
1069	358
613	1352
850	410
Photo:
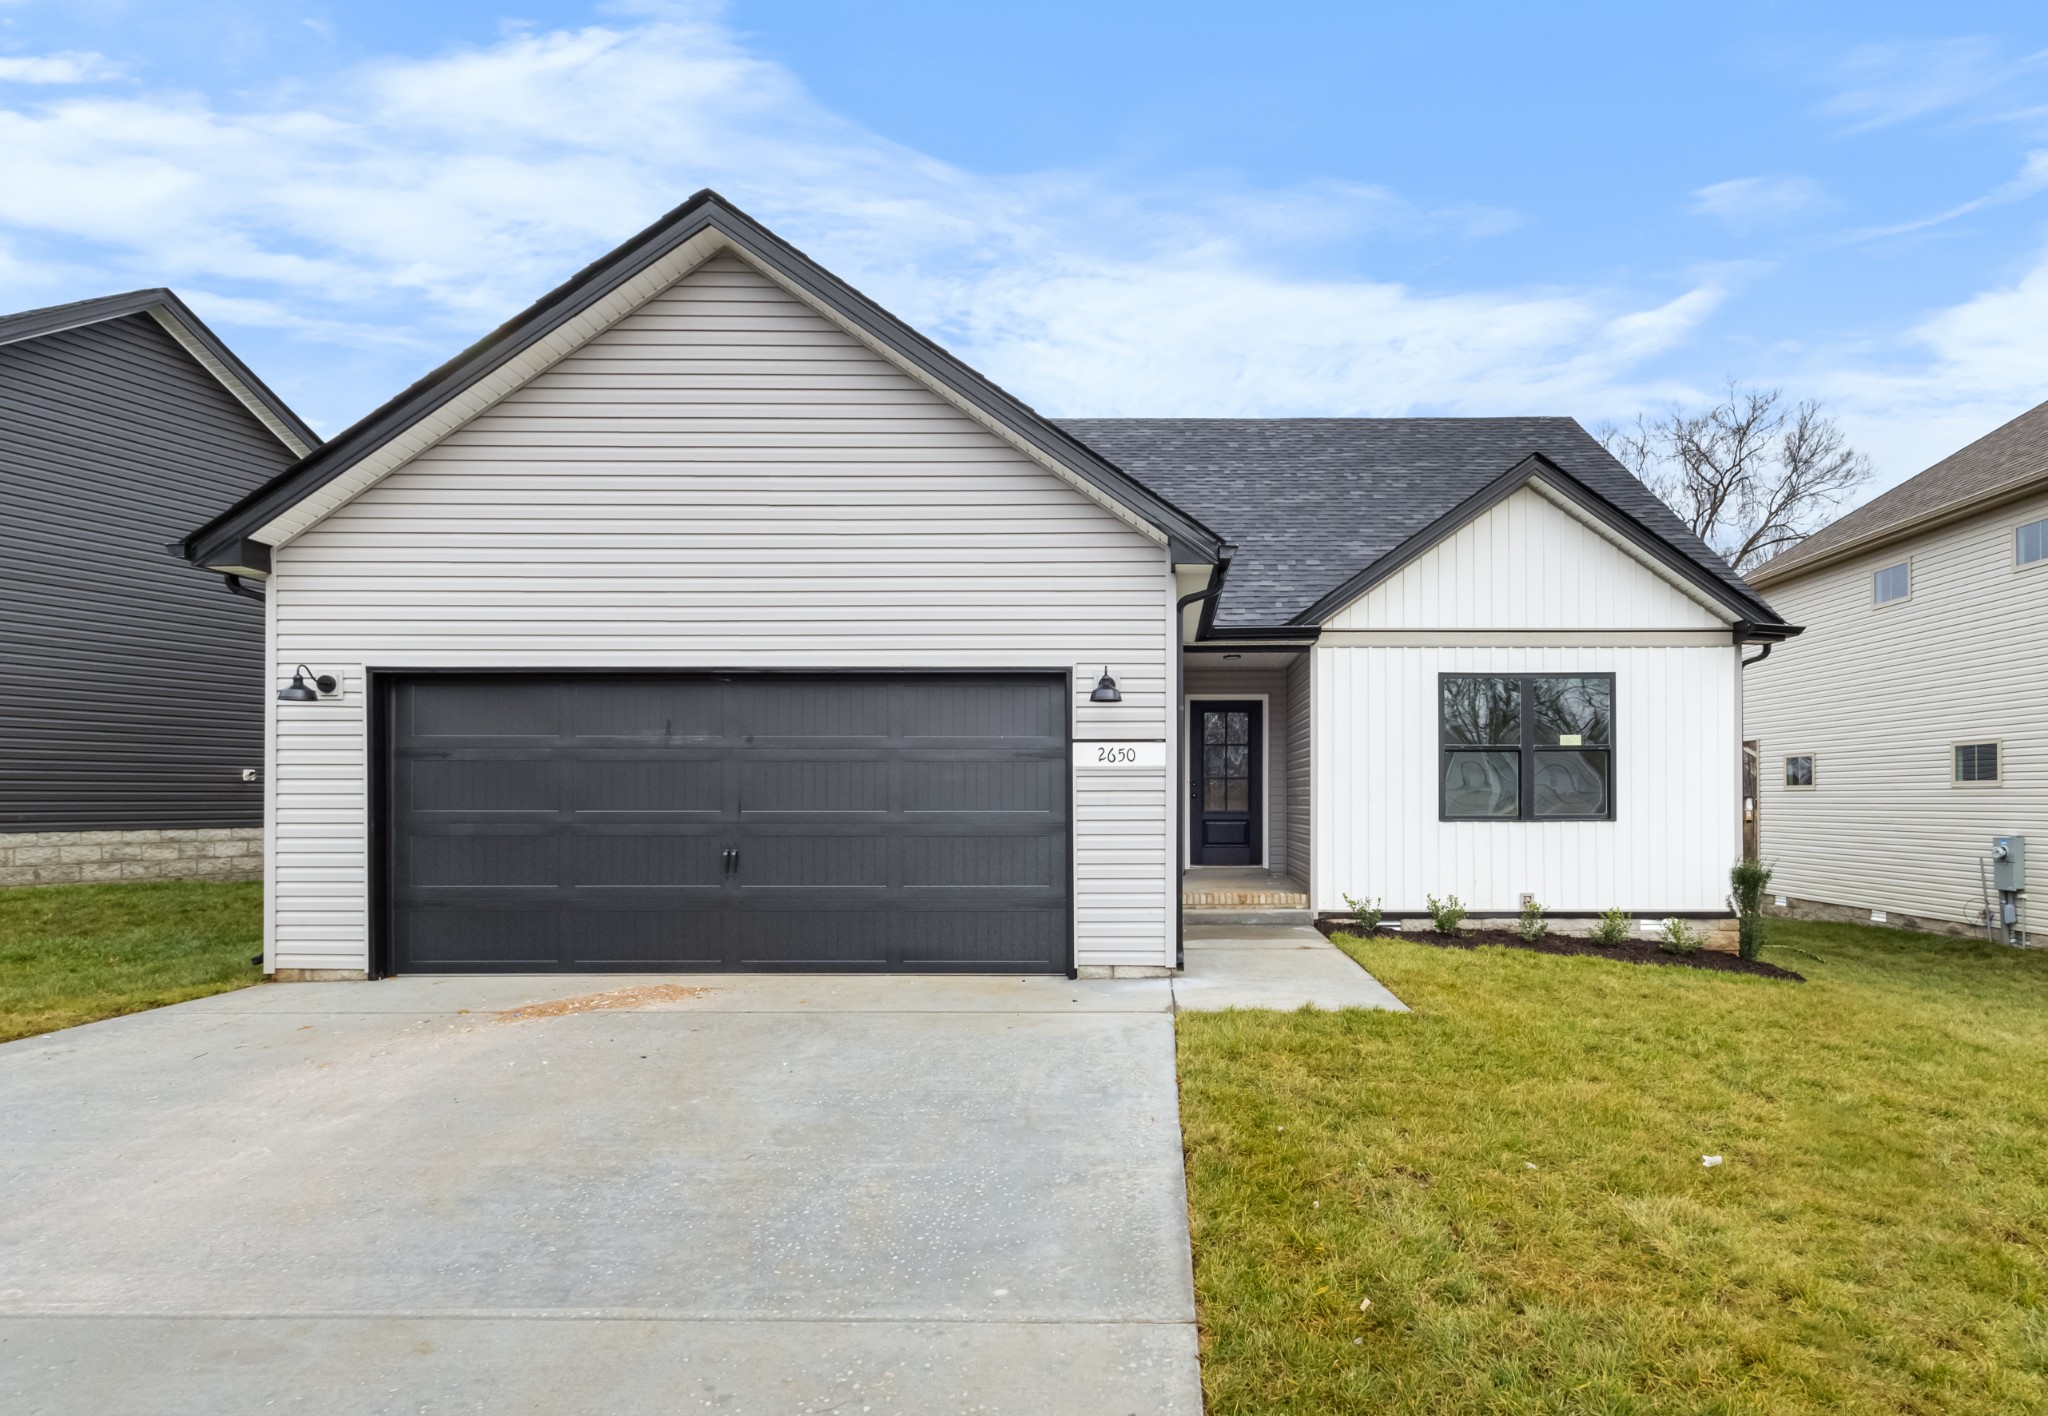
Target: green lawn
73	953
1512	1175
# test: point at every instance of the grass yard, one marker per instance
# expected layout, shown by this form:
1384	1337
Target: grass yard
70	954
1512	1175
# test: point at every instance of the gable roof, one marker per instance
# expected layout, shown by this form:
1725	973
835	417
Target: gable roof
2005	462
439	400
191	332
1320	509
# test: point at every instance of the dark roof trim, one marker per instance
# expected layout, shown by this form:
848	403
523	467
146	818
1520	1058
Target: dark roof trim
1763	622
1191	541
165	305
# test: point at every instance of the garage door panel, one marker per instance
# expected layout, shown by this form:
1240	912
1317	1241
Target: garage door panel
653	940
984	862
476	861
645	711
978	710
647	787
823	710
641	862
455	708
474	787
813	861
688	822
813	785
473	940
962	783
966	939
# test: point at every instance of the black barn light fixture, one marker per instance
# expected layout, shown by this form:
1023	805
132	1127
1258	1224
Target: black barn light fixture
299	693
1105	690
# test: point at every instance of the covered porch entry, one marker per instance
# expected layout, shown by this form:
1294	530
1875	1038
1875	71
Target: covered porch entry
1244	781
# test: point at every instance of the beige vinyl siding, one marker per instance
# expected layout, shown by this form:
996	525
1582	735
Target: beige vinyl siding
724	478
1300	767
1200	680
1527	587
1880	695
1527	563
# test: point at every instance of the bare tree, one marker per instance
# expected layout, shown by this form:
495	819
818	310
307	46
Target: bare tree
1749	476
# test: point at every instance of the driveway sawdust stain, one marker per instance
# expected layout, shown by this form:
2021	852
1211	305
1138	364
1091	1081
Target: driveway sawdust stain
642	996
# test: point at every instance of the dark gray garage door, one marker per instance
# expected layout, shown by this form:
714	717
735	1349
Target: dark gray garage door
913	823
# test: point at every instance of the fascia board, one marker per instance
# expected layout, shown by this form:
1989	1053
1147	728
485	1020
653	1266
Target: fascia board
1935	520
261	409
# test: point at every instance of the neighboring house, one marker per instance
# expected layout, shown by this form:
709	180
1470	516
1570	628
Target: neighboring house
705	615
129	683
1909	726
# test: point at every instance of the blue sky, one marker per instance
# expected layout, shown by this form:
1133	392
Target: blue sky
1179	208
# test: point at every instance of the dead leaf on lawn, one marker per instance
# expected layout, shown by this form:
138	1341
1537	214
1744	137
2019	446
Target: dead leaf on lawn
641	996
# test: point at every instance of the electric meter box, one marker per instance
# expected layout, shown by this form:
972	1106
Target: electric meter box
2008	862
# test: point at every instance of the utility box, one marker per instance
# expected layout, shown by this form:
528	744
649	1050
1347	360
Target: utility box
2008	863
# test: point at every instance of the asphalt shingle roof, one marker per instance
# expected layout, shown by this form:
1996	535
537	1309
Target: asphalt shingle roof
2011	455
1311	502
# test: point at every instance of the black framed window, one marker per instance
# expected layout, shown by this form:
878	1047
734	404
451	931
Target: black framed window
1526	747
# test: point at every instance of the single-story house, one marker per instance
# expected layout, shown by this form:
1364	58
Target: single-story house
1906	733
707	616
131	685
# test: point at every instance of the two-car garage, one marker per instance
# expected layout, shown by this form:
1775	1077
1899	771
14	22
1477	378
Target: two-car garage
645	821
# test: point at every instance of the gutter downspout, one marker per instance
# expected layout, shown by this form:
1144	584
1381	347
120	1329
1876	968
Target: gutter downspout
1179	710
237	587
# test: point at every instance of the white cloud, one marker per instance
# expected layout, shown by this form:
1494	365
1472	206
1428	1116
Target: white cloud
420	201
2032	179
69	67
1882	84
406	206
1747	203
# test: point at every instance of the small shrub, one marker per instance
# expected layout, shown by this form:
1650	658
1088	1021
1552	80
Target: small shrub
1532	926
1679	938
1448	914
1366	913
1612	928
1749	878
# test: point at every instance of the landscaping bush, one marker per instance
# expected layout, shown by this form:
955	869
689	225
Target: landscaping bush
1366	913
1448	914
1749	878
1532	926
1612	928
1679	938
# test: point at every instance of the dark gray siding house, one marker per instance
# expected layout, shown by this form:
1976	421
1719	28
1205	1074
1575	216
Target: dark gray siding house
131	685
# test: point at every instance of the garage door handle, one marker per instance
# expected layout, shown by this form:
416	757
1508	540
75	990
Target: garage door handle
732	860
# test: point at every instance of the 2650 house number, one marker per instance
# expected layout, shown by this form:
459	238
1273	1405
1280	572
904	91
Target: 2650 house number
1120	756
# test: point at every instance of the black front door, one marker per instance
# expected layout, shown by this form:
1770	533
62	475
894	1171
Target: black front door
1225	783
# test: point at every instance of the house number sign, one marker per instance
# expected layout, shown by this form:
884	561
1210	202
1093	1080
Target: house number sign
1120	756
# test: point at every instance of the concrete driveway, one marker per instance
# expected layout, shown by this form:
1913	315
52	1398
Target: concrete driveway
777	1195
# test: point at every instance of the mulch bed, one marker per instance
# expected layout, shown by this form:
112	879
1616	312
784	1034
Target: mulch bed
1643	953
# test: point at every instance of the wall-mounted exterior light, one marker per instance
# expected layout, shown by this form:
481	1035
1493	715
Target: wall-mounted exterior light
299	693
1105	691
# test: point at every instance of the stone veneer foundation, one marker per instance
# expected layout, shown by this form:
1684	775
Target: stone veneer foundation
94	857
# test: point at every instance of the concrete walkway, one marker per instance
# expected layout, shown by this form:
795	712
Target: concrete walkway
783	1194
1287	966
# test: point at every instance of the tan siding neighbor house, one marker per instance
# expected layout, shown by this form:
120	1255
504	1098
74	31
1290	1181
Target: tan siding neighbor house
1908	726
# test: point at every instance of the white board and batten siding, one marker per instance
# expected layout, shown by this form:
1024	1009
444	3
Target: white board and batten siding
1528	586
722	479
1880	695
